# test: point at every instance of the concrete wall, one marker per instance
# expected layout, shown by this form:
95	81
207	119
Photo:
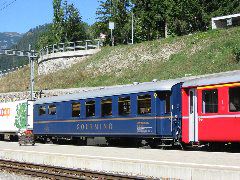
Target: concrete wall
16	96
61	60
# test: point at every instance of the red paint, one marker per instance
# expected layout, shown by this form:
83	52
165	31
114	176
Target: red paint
214	127
219	129
225	129
185	124
185	130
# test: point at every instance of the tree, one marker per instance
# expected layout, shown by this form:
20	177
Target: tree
67	25
155	19
73	26
58	21
116	11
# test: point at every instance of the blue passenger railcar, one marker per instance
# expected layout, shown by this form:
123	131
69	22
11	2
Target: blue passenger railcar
149	111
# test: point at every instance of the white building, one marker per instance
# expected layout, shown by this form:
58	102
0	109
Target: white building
226	21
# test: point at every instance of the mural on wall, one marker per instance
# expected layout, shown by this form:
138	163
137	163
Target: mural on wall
21	116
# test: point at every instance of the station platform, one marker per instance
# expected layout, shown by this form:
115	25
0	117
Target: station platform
149	163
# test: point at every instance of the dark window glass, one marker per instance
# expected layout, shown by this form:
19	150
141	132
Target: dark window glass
166	98
210	101
167	103
106	107
90	108
52	109
144	104
191	102
41	110
124	106
234	99
76	109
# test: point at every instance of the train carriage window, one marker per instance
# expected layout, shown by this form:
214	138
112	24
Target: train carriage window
234	99
124	106
76	106
52	109
210	101
106	107
191	102
41	110
166	98
144	104
90	108
167	103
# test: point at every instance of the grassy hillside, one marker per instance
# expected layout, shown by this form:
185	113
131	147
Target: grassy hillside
200	53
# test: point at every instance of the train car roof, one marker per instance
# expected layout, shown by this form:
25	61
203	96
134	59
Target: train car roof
212	79
164	85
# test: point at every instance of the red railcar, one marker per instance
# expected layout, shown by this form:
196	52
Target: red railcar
211	108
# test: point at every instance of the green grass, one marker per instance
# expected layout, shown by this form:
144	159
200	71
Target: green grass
201	53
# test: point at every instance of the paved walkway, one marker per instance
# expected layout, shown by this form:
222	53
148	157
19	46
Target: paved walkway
143	162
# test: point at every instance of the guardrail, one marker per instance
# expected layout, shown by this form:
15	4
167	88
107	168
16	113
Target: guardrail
10	70
71	46
20	53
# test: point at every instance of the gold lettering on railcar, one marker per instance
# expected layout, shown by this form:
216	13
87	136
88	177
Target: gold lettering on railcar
142	122
94	126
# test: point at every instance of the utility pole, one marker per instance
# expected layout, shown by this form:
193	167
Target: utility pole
31	63
132	27
31	54
111	24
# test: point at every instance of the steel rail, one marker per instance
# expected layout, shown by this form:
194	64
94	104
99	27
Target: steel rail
52	172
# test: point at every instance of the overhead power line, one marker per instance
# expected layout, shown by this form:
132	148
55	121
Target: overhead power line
5	5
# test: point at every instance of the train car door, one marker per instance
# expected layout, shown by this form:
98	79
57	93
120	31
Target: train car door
193	116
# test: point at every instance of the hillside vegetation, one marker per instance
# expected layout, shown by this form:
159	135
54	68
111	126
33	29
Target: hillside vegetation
200	53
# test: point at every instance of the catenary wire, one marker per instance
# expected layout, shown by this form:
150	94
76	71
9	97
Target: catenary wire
7	5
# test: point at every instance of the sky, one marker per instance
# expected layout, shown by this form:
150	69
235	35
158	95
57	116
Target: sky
22	15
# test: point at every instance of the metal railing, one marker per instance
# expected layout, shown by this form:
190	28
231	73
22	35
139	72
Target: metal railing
10	70
20	53
71	46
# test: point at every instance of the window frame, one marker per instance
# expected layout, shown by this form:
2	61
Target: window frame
167	94
54	105
45	112
80	106
130	106
232	111
151	108
86	113
203	102
106	99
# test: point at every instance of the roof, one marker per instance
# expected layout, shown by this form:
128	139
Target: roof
212	79
225	17
164	85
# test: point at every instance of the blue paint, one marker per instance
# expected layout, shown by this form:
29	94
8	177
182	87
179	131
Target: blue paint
155	124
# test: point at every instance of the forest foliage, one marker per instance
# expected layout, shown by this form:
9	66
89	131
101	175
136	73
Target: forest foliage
152	19
67	25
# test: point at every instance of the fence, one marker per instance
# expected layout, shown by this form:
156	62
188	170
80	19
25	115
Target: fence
8	71
71	46
16	52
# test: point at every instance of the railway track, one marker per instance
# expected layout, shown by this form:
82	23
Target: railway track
50	172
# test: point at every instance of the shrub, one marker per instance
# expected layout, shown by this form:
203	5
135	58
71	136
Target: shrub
236	53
